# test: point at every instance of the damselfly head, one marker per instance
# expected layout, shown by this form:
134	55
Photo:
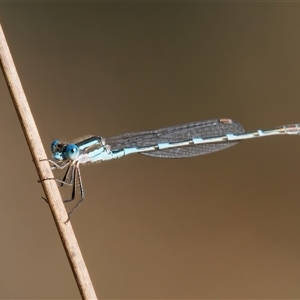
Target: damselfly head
63	151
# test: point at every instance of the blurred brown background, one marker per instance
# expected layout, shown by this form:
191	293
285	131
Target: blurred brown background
225	225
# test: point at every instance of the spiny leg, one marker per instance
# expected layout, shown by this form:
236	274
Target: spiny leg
74	176
73	182
77	176
64	181
56	166
69	171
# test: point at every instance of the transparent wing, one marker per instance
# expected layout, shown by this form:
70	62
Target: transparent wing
200	129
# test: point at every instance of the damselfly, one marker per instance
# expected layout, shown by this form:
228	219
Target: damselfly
179	141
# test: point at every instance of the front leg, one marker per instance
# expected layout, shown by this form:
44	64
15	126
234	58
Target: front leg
56	165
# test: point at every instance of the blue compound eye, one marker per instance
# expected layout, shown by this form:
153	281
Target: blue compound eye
72	152
53	145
